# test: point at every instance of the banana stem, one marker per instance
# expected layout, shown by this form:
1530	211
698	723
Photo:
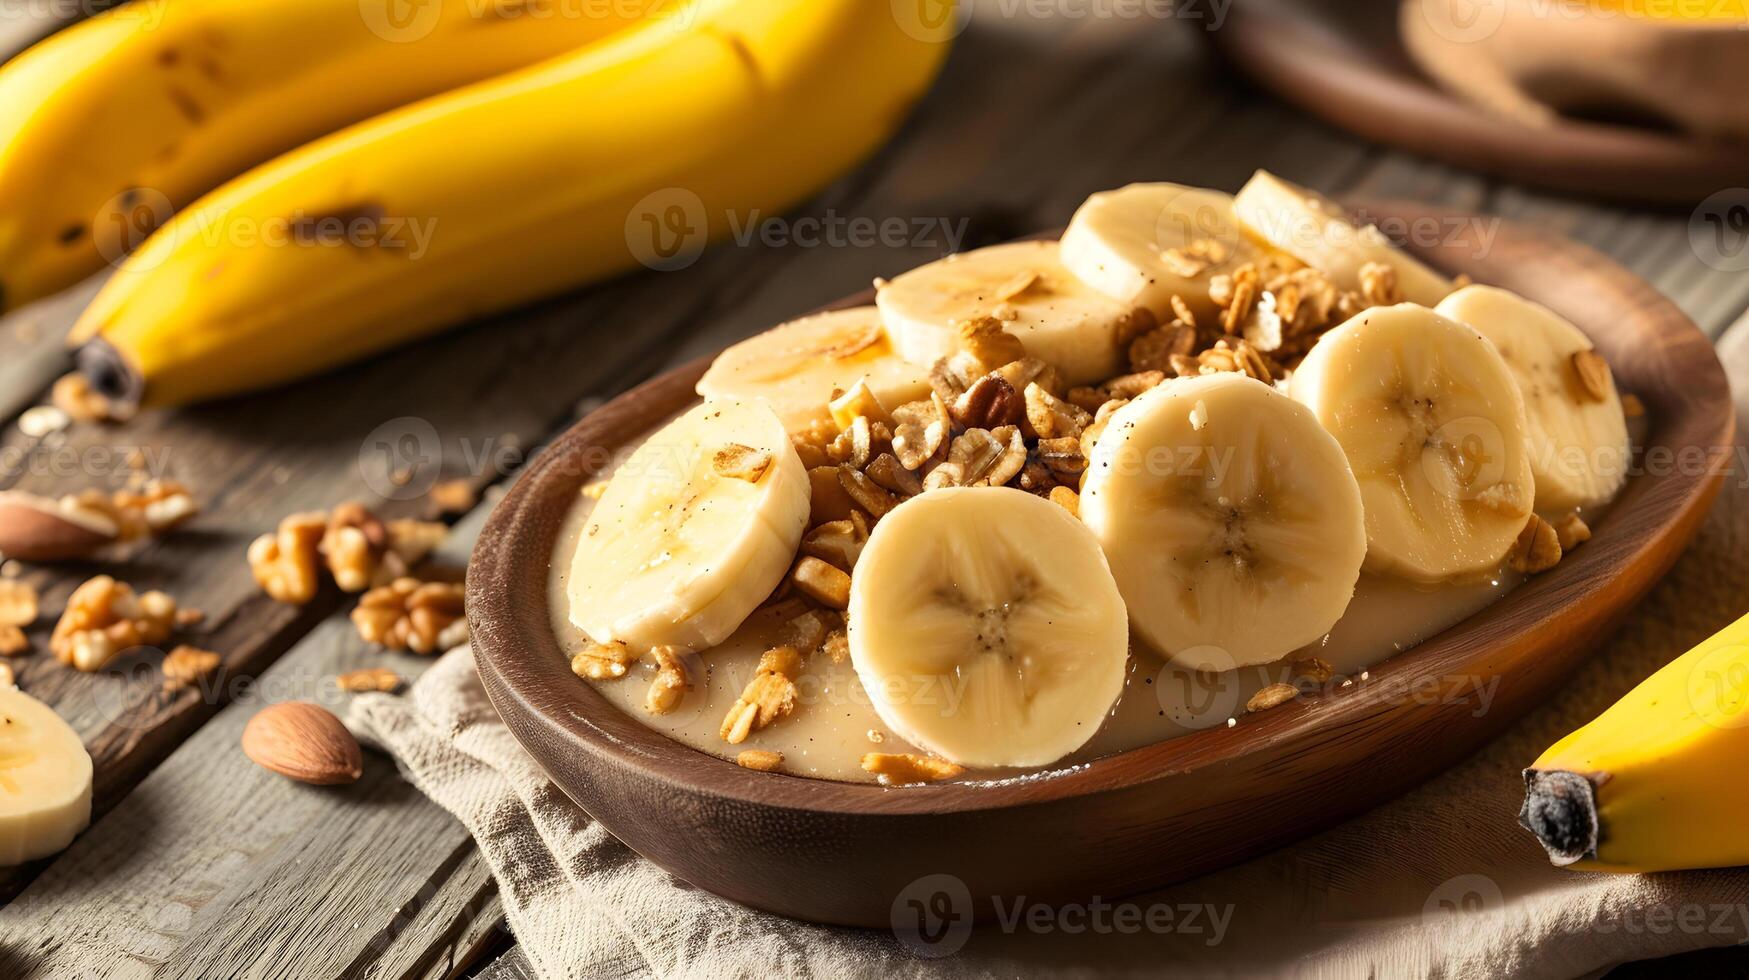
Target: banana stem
1560	808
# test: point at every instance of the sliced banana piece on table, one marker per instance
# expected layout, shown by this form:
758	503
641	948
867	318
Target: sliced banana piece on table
1433	425
1145	243
1059	319
1231	519
693	532
1578	433
796	367
986	628
45	780
1317	231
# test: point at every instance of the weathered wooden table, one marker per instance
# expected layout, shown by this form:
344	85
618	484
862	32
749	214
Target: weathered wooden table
200	864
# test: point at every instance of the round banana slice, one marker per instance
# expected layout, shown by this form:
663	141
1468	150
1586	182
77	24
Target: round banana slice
1434	427
693	531
1578	433
1316	230
45	780
986	628
1231	519
1059	319
1145	243
796	367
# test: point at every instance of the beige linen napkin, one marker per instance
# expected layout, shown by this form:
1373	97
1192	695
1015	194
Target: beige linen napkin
1439	882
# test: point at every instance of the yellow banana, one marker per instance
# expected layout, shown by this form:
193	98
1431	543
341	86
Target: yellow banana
110	125
1656	782
548	178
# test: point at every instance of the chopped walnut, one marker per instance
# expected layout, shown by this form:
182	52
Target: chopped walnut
899	769
411	542
1271	696
886	471
1063	457
603	661
877	501
1029	371
1049	417
13	641
1537	549
1067	499
73	394
988	343
407	614
1154	351
379	679
285	563
1378	284
838	543
670	683
988	403
18	603
186	665
161	505
738	462
823	583
920	429
1593	374
768	698
854	445
104	617
1631	406
759	760
970	457
353	545
1503	498
1572	531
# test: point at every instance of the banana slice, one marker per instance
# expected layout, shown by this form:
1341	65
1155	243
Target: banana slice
1316	230
1434	427
986	628
45	780
1578	433
1231	519
1059	319
693	531
796	366
1144	243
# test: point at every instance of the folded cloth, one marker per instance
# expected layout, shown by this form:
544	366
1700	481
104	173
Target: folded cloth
1439	882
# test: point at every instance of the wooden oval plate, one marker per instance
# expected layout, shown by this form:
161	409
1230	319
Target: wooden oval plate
845	853
1342	61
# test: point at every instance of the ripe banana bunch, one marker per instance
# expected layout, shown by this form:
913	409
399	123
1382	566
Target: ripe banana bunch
986	627
160	102
1655	782
1317	231
1139	244
1243	539
1578	433
1434	427
632	148
797	367
45	780
693	531
1058	318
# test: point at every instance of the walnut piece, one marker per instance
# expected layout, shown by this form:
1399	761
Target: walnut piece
670	683
838	543
1378	284
899	769
186	665
603	661
828	586
369	679
920	429
13	641
1572	531
353	545
285	563
1537	549
1271	696
407	614
768	698
18	602
104	617
1593	374
988	404
759	760
1049	417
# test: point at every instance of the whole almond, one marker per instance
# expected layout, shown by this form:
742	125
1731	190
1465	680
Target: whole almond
305	742
39	529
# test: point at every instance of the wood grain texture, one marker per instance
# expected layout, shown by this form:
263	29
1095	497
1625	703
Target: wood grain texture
1146	817
1342	61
